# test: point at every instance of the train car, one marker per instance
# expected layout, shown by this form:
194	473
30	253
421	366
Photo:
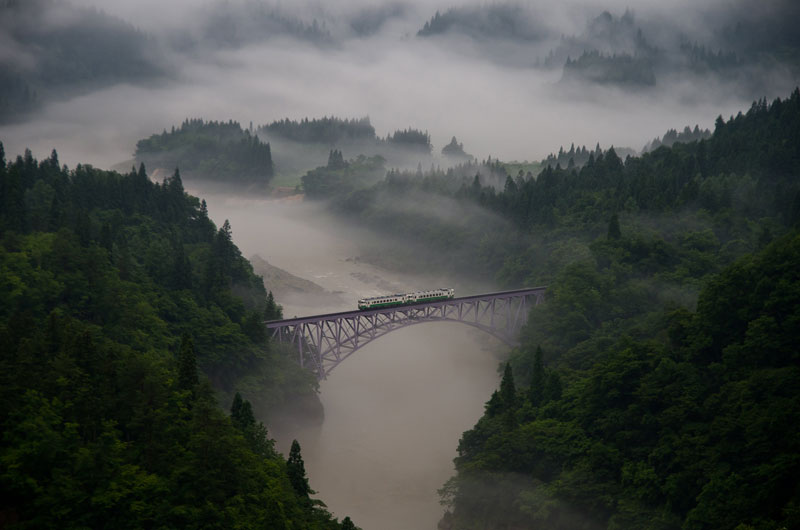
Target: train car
400	299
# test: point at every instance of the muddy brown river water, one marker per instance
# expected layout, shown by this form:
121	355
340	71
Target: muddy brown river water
394	410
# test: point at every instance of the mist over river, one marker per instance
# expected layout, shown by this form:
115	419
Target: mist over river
394	410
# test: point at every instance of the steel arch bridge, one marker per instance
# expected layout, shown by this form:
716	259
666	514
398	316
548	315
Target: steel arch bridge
324	341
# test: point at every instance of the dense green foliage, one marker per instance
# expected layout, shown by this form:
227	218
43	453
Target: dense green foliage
656	388
733	192
324	130
335	131
672	136
115	291
572	158
411	139
158	247
648	414
692	420
751	151
342	177
218	151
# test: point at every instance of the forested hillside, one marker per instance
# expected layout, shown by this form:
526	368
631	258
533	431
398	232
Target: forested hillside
631	403
672	137
656	388
325	130
56	50
689	419
623	70
492	21
342	176
116	290
211	151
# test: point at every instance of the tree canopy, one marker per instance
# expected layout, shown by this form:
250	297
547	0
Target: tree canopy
125	314
211	150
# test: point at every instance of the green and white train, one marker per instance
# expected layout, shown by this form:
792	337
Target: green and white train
419	297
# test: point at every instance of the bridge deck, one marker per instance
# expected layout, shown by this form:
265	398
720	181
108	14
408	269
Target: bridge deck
344	314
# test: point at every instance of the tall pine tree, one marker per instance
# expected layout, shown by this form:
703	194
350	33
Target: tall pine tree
508	391
536	391
613	227
296	470
187	365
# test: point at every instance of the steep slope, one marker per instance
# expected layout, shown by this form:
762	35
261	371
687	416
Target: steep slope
115	290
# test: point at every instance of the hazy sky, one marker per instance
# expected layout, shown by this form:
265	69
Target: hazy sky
445	86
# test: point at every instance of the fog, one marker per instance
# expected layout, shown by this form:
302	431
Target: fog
395	410
393	415
483	91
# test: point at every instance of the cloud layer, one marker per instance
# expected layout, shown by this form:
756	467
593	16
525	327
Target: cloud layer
351	60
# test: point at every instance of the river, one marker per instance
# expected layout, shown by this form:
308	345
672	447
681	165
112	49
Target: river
395	410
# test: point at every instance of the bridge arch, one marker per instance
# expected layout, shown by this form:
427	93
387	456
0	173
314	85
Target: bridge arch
324	341
384	332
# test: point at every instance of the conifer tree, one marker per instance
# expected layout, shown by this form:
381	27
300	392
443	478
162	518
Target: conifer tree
613	227
187	365
296	470
253	326
476	185
494	406
536	391
336	160
272	311
553	387
508	396
794	216
236	408
106	239
508	391
242	413
181	269
53	159
83	227
176	184
246	418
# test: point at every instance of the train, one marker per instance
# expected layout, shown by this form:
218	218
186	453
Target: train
418	297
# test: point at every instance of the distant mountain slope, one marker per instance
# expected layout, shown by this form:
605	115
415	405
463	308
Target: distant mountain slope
492	21
53	50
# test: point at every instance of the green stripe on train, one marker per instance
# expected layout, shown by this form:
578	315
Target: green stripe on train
396	304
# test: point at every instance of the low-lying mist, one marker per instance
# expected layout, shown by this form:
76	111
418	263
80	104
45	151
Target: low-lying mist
308	241
394	410
399	80
501	86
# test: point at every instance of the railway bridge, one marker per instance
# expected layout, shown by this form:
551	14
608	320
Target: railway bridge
324	341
